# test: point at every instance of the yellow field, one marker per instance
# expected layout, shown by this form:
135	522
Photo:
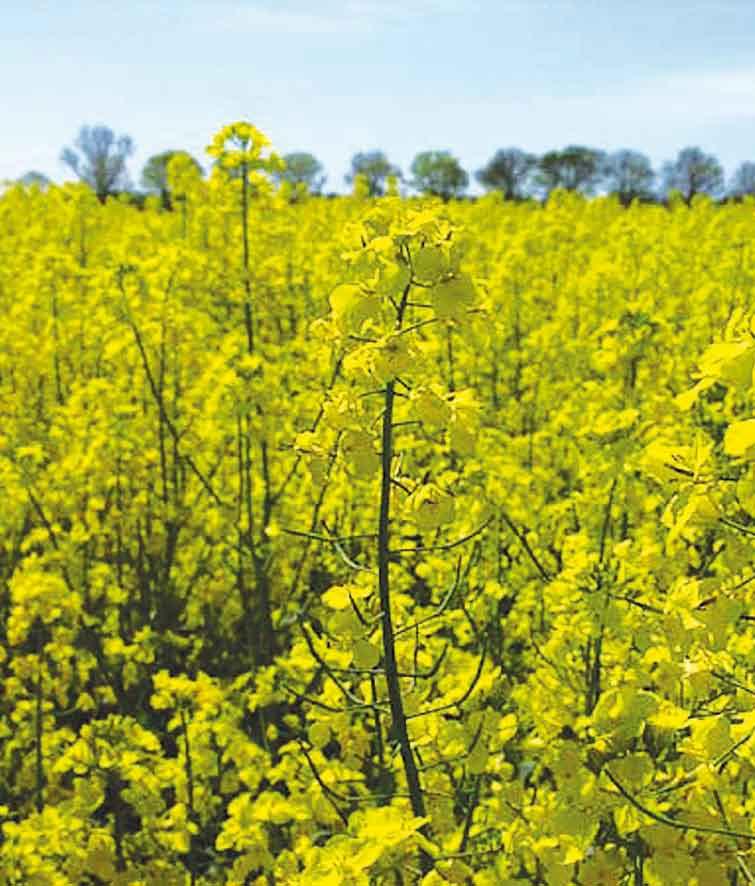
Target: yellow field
375	541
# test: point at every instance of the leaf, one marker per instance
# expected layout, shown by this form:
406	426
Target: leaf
429	263
430	407
101	862
477	759
430	507
710	737
669	716
451	298
352	305
319	734
365	654
739	439
687	399
731	362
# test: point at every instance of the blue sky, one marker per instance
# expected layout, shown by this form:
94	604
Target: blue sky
334	78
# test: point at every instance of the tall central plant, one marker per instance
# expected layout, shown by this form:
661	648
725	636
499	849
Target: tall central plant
392	422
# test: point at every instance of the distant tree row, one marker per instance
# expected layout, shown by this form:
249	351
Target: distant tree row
99	158
518	175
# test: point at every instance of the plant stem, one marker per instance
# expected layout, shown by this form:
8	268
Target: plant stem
398	714
38	729
248	316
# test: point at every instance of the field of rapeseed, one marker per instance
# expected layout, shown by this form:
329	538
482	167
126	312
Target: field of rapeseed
375	541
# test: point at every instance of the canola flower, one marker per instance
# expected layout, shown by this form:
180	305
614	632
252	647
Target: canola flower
349	540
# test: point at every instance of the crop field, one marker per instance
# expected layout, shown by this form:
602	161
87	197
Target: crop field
381	540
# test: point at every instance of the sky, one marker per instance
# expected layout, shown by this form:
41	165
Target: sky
340	76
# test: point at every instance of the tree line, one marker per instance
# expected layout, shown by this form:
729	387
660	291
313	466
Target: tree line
99	158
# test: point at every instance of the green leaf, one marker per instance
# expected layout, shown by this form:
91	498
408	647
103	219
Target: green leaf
366	654
739	439
452	298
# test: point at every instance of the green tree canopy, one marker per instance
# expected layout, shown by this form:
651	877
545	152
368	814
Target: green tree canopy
375	167
693	172
438	173
629	175
575	168
305	169
743	180
508	171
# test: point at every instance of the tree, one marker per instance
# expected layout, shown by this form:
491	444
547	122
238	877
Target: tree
629	175
693	172
438	173
34	178
155	173
509	172
743	180
575	168
375	167
303	169
100	159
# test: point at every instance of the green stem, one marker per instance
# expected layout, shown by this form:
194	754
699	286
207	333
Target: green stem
248	315
39	712
189	789
395	699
